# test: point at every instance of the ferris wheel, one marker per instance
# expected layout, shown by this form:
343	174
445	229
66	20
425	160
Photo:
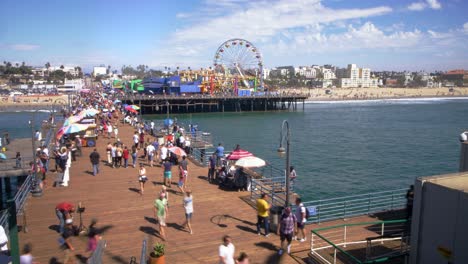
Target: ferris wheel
239	59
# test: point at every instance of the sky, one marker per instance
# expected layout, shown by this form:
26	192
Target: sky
379	34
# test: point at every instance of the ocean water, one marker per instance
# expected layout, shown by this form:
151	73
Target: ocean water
16	123
350	147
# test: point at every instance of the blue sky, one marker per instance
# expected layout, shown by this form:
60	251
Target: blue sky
380	34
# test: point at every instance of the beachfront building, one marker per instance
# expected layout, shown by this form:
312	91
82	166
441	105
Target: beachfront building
356	77
99	70
71	86
43	71
266	74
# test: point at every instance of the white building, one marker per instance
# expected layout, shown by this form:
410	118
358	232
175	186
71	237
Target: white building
42	71
71	85
266	74
356	77
99	70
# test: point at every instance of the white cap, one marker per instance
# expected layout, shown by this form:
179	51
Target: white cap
69	221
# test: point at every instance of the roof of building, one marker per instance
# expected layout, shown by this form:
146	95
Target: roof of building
457	181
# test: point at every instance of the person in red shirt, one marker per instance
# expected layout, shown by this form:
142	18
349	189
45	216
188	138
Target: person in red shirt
125	156
64	211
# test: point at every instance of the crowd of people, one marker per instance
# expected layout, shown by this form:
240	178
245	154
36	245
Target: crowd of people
148	150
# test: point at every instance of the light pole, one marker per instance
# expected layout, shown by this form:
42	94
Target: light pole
282	151
37	191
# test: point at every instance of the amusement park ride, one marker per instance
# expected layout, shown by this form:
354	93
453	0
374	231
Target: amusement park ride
237	68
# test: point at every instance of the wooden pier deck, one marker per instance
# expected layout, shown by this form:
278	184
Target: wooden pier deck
128	218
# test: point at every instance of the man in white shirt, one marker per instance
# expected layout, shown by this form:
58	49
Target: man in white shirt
150	150
226	251
136	139
164	151
38	135
301	220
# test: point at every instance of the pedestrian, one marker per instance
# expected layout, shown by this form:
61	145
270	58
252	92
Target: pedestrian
142	178
219	155
286	229
263	208
7	138
136	139
119	154
301	220
64	211
165	194
183	170
93	237
109	130
167	173
95	158
226	251
125	156
116	131
114	155
26	257
163	153
38	136
292	174
3	242
243	258
142	139
188	206
66	241
212	168
161	211
150	150
134	155
109	153
409	201
18	160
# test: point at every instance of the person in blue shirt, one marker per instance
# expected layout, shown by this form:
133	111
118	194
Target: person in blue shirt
212	168
219	154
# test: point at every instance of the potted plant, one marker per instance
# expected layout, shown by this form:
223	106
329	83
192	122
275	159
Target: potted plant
157	255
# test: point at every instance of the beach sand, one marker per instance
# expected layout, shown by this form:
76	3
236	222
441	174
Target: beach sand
319	94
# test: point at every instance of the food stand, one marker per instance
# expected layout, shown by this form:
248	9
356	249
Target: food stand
89	136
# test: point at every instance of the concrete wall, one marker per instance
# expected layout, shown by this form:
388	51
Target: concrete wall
440	219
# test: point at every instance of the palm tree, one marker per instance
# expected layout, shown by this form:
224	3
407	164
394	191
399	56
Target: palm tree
62	67
17	65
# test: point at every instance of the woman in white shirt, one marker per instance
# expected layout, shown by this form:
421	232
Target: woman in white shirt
188	205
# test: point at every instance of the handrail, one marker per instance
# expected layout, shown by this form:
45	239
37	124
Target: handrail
354	205
143	252
344	242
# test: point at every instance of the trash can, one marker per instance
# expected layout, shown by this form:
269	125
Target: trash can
275	214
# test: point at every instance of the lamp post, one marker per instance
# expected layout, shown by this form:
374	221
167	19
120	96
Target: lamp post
37	191
282	151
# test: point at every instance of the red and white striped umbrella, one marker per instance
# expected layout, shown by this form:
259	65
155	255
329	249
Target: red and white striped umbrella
178	151
239	154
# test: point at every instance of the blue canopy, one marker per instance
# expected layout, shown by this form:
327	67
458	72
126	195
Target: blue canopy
168	122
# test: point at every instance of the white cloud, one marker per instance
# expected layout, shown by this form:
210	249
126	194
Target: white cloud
256	21
434	4
465	27
419	6
24	47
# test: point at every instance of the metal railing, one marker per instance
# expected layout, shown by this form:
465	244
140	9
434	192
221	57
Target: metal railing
337	242
273	187
11	164
355	205
27	186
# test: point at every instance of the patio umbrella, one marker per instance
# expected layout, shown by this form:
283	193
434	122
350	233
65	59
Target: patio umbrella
3	156
250	162
178	151
134	107
168	122
238	154
132	110
72	120
88	113
73	128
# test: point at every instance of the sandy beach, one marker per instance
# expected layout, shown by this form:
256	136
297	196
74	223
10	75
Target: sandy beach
381	93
